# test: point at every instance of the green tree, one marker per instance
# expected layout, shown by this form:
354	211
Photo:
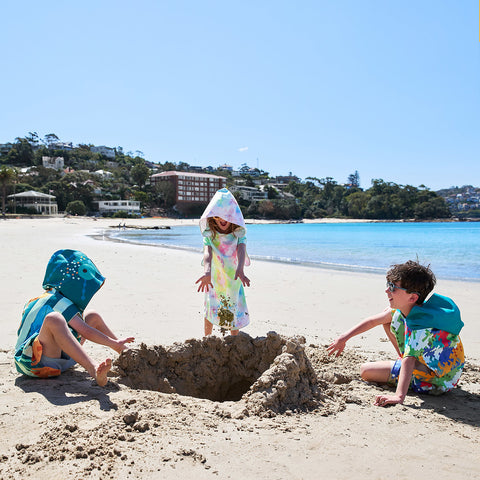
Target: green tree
266	208
21	153
33	139
354	179
141	196
271	193
166	193
77	207
50	139
356	203
7	177
62	192
140	174
433	207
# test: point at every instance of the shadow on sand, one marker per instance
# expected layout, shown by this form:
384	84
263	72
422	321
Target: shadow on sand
70	388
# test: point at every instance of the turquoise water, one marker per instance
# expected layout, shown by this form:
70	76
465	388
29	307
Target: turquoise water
452	249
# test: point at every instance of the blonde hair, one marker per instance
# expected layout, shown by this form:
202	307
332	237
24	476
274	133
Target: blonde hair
214	228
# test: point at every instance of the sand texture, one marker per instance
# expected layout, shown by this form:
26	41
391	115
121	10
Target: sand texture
269	403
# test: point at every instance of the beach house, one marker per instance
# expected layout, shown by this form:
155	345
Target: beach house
42	203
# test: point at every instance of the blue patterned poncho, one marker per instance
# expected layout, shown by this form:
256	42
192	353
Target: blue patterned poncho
71	280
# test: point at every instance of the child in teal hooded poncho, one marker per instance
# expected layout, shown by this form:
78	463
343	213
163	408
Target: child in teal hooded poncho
54	325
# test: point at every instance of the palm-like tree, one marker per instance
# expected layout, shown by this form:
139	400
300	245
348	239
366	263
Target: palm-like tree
7	176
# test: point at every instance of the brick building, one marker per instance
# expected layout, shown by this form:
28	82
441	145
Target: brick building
191	189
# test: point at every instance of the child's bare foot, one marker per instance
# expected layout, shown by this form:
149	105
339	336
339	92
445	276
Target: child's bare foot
102	371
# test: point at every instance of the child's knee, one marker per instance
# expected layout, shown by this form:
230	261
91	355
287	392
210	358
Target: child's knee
365	371
54	320
378	372
91	317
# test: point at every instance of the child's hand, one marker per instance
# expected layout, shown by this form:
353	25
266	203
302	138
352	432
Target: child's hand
384	400
243	278
205	283
336	347
121	344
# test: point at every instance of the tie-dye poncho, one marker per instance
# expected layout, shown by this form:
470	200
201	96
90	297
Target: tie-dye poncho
440	349
225	303
71	280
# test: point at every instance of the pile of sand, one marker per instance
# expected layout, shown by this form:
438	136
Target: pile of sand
261	376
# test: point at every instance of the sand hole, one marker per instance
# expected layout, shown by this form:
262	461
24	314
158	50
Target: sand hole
266	373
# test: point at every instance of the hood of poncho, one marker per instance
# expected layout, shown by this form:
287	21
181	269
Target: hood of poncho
74	275
437	312
224	205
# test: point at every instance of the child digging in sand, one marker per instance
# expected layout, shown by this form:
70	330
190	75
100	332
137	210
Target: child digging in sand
54	327
225	254
424	334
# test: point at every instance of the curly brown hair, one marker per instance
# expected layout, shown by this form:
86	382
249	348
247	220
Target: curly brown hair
214	228
414	277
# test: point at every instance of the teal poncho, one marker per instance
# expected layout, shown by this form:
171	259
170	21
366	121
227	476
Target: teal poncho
437	312
71	280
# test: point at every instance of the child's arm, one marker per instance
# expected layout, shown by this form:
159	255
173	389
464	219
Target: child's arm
96	336
338	345
392	338
206	279
404	379
241	252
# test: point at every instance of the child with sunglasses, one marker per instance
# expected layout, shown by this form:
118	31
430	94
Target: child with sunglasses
425	335
225	255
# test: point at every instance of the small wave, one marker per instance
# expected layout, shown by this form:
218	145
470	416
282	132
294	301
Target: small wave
448	267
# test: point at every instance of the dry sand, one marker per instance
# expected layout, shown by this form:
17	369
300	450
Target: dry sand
272	406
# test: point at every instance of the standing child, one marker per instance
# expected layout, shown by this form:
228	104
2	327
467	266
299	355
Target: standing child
54	327
225	255
425	335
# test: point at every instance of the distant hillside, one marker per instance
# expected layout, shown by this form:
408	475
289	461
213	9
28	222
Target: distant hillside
462	201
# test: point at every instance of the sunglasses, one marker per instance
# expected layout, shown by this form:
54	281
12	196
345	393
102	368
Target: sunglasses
392	287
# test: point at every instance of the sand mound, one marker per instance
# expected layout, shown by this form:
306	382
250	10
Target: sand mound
269	374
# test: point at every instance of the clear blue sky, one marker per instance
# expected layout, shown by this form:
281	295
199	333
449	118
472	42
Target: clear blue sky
318	88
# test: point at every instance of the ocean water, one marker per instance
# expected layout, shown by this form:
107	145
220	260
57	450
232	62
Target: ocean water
452	249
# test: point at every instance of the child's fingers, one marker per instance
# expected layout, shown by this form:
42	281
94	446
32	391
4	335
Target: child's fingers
203	287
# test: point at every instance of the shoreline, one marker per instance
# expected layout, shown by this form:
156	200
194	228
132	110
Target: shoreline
248	221
109	235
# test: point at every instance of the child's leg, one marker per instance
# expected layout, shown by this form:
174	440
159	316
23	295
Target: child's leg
208	327
55	337
95	320
378	372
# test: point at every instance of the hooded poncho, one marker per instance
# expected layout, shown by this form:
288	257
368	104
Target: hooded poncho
71	280
430	334
225	303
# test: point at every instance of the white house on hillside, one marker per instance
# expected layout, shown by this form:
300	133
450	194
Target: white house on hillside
104	173
103	150
56	163
251	194
41	202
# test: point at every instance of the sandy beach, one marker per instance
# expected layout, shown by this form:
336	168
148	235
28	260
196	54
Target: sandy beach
68	427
